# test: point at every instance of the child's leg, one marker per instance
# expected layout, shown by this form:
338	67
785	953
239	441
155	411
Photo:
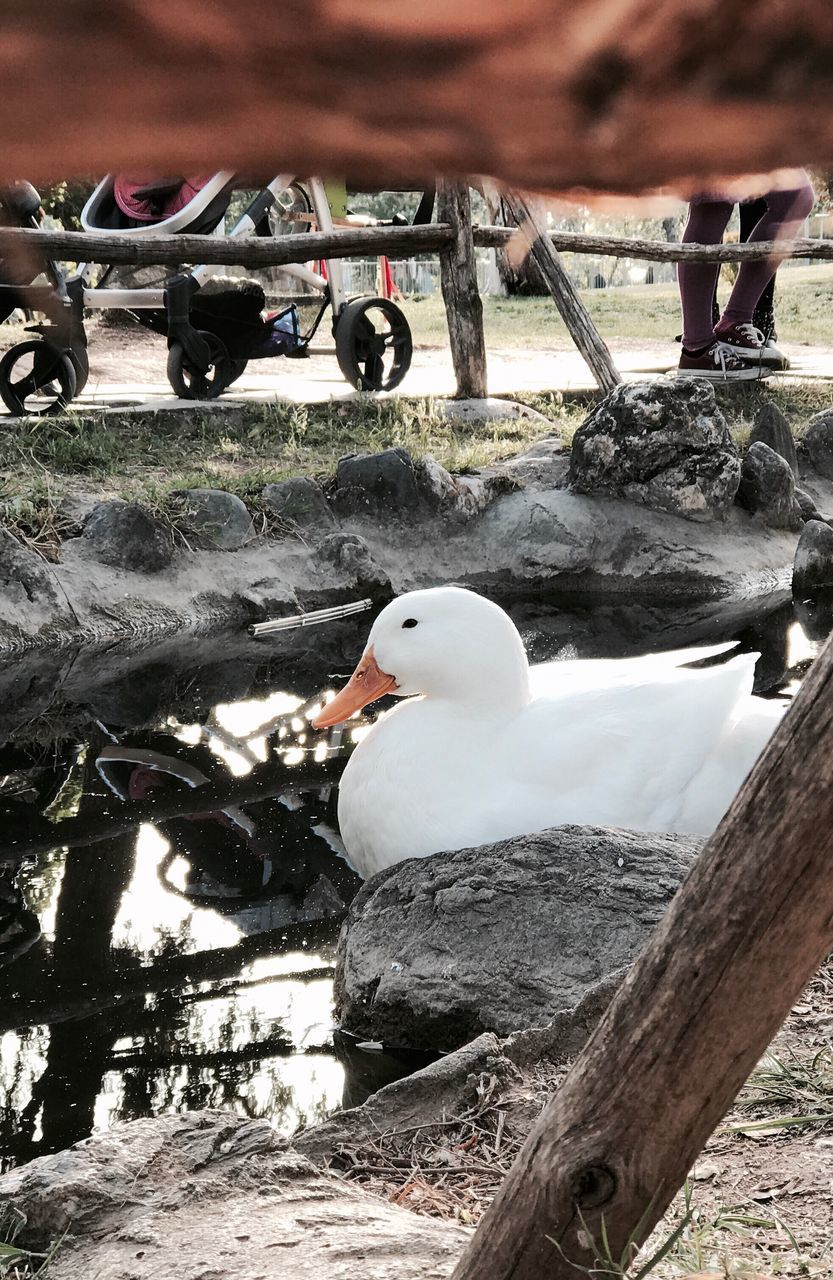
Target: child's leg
785	212
763	316
707	220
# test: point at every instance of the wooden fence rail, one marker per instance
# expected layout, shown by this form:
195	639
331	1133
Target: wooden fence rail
663	250
394	242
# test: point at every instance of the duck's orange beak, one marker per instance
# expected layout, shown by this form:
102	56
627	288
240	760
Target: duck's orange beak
367	683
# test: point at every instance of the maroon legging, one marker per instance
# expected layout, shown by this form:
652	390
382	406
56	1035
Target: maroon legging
707	221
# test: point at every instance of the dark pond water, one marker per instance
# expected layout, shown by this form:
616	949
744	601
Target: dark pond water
152	966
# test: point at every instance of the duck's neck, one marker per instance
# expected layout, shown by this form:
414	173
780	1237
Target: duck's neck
488	693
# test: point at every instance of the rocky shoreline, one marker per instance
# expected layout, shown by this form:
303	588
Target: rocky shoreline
653	503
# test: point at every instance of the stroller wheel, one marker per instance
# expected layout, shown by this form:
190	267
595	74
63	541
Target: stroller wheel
290	213
81	365
36	379
373	344
191	383
236	370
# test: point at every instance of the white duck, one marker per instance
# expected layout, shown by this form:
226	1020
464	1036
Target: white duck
486	747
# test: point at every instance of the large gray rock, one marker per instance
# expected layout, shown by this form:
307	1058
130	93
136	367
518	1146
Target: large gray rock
664	444
815	448
437	950
299	503
771	428
209	1196
376	484
767	488
125	535
813	565
215	520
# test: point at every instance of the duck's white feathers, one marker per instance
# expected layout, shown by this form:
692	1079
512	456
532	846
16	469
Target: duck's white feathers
642	744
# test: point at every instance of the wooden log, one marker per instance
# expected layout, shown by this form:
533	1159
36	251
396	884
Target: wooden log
540	93
565	295
395	242
463	304
663	250
699	1007
248	251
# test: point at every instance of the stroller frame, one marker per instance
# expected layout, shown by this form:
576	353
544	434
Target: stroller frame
366	330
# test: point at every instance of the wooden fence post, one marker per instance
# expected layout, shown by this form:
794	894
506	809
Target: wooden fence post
565	295
463	305
696	1011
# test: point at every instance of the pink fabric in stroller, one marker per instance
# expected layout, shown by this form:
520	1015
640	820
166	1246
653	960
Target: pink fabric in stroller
144	210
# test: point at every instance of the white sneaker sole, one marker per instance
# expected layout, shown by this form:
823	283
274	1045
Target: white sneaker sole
739	375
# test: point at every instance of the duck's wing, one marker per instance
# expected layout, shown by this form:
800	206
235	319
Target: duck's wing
589	673
627	753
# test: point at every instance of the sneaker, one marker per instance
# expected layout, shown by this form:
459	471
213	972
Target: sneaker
744	339
773	356
719	364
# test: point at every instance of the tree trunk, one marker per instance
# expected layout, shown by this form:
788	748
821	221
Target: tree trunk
696	1011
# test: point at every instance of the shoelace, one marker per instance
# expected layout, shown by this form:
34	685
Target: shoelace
725	358
751	332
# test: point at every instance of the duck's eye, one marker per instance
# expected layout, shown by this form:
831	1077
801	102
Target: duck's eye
409	622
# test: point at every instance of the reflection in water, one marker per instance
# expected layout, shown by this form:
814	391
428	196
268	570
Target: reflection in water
181	963
171	894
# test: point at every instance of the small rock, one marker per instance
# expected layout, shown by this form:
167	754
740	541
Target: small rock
215	520
376	483
489	410
351	554
25	579
270	598
767	488
807	506
458	496
126	536
663	444
72	512
815	448
772	428
813	564
299	502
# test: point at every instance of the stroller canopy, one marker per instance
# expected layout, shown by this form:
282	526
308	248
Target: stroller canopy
137	205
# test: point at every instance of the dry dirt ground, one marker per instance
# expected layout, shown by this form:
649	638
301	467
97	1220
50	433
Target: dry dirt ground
127	365
759	1201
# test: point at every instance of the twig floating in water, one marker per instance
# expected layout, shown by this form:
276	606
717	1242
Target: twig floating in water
310	619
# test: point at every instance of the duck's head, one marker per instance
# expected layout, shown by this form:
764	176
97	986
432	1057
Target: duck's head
443	643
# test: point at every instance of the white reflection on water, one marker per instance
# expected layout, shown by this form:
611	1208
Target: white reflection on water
148	914
799	647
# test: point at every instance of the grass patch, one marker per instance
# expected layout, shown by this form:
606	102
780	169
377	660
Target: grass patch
804	304
17	1263
145	456
724	1242
148	455
789	1092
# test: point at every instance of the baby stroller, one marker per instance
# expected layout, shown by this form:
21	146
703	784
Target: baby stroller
210	337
